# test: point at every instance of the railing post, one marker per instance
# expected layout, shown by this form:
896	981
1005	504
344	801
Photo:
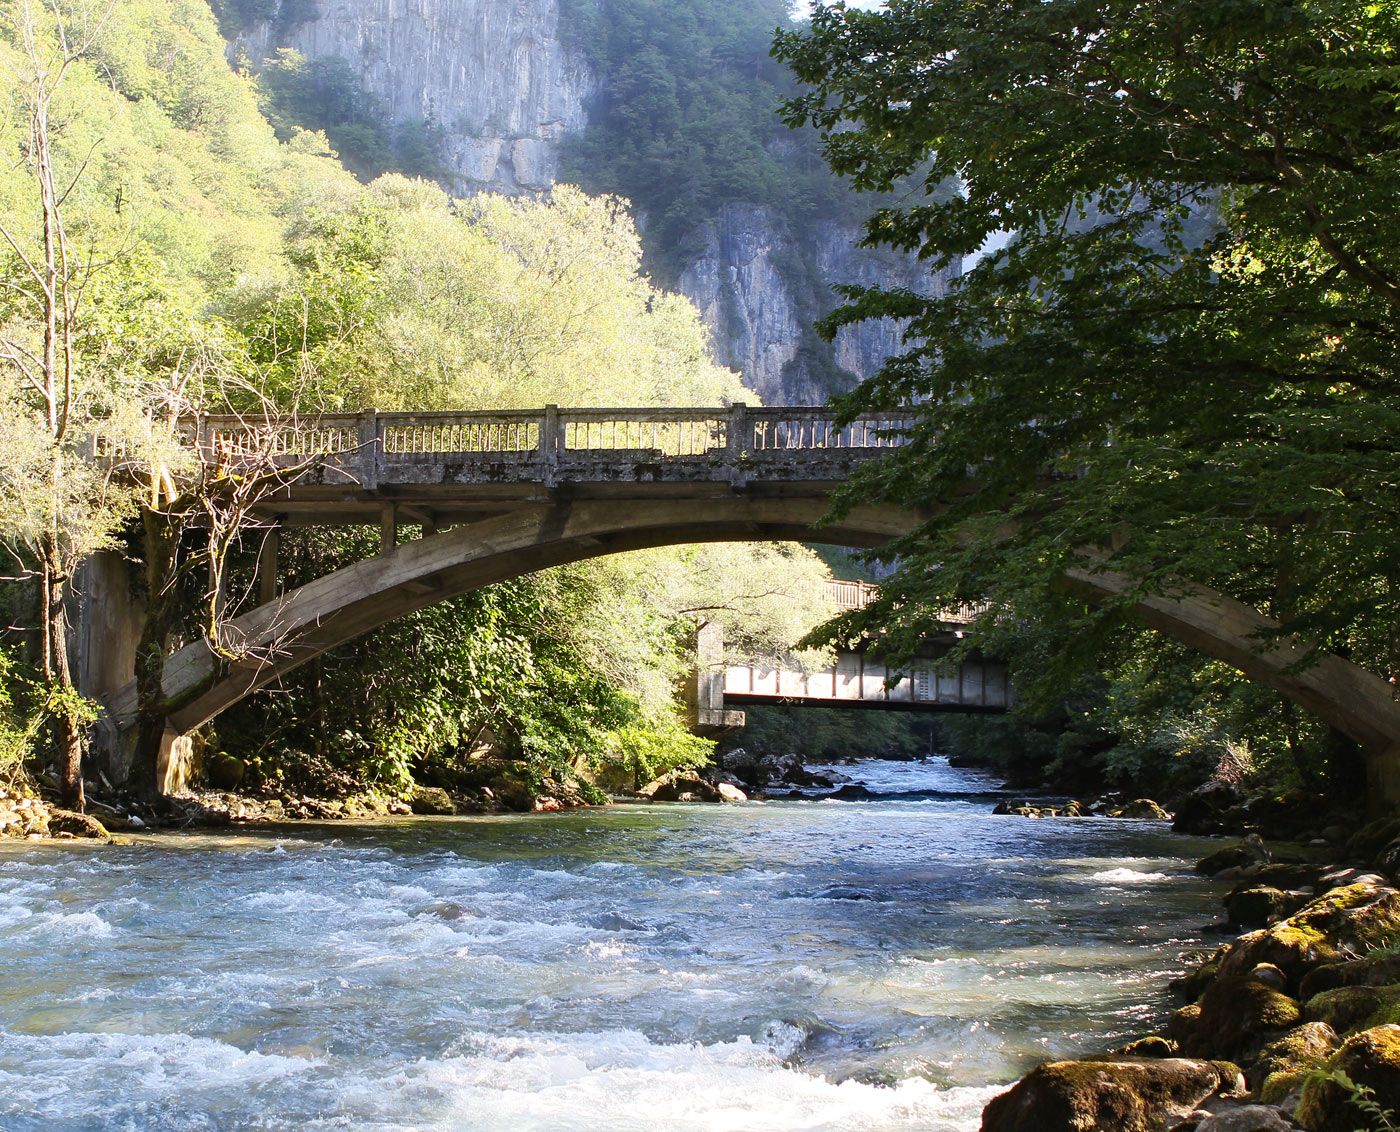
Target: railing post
737	441
551	443
369	450
203	443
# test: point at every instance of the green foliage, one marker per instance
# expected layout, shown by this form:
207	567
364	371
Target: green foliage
326	95
22	715
1183	363
833	733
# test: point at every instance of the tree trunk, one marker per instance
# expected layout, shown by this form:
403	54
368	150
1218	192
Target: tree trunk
67	726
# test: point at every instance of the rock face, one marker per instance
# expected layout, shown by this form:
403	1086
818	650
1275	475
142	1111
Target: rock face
495	76
749	288
500	81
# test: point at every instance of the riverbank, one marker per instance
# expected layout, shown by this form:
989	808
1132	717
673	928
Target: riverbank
1290	1025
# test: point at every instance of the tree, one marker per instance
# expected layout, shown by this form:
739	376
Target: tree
1182	362
53	504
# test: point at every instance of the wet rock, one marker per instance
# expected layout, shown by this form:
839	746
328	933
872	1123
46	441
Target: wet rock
1295	1053
1347	1009
728	792
1345	921
616	922
1141	808
1248	1118
224	771
1107	1096
1192	985
76	825
444	910
1182	1025
1254	905
431	800
1239	855
1239	1016
1370	1060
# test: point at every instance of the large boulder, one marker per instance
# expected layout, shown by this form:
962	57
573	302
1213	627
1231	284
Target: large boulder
431	800
681	786
1345	921
1239	1016
1247	1118
1108	1096
1368	1062
1255	905
1141	808
1381	970
77	825
1282	1065
1347	1009
1241	855
1207	809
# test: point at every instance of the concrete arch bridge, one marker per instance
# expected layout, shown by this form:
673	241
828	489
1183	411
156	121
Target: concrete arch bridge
500	494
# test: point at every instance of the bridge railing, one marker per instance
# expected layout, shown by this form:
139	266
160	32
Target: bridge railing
365	445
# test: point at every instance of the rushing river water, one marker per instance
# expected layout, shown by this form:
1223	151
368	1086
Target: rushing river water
868	965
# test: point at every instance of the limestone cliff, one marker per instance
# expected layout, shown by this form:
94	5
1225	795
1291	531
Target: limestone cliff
498	78
492	73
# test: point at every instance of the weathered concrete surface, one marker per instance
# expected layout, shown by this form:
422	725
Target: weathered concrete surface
305	622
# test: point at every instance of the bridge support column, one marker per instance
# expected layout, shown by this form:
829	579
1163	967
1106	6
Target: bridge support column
267	566
109	627
388	528
704	696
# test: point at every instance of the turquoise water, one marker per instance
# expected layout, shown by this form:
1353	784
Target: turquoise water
781	966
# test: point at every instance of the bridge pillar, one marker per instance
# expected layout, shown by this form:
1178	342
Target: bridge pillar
388	528
109	627
267	566
704	691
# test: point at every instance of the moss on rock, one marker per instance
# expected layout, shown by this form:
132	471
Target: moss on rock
1239	1016
1380	970
1107	1096
1344	921
1298	1051
1370	1060
1348	1009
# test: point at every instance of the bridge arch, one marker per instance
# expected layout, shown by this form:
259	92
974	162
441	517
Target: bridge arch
347	603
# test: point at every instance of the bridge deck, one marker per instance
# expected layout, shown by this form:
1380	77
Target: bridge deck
443	467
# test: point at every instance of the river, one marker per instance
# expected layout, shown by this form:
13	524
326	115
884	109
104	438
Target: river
833	965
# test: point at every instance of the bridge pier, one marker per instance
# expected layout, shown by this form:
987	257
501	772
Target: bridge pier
109	627
267	565
704	691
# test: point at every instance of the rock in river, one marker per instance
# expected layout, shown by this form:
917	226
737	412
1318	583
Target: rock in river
1108	1096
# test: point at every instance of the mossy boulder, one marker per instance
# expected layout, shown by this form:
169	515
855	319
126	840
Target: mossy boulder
1344	921
1298	1051
1153	1046
1255	905
513	791
224	771
1368	841
1192	985
431	800
1239	1016
1380	970
1370	1060
1182	1025
1236	856
76	824
1347	1009
1141	808
1108	1096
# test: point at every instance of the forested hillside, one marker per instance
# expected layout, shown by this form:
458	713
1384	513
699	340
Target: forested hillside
212	265
672	106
